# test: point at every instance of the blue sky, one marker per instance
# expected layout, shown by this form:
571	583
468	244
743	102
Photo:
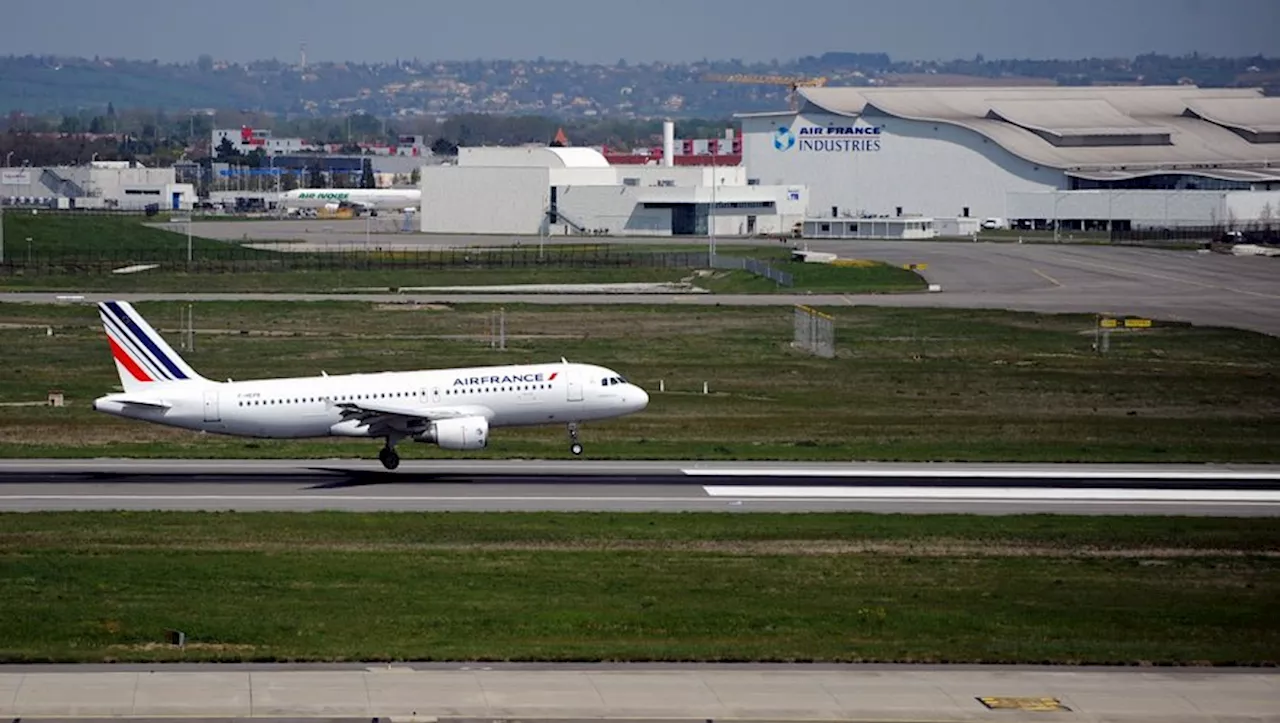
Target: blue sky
607	30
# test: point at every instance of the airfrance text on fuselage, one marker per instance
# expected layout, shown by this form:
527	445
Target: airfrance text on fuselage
506	379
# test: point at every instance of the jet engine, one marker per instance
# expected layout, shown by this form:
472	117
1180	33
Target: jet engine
457	434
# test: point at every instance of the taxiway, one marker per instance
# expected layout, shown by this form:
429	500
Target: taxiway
639	692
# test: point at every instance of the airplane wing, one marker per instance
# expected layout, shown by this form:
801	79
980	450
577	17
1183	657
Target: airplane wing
384	416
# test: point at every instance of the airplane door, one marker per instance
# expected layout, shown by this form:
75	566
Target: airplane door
574	386
435	395
211	407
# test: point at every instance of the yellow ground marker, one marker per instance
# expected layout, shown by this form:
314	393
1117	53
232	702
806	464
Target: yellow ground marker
1032	704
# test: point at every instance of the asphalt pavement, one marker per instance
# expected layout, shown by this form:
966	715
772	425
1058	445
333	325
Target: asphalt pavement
670	693
741	487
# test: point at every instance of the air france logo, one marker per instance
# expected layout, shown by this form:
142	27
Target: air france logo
505	379
783	138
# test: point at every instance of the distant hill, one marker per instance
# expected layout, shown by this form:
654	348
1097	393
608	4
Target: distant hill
41	85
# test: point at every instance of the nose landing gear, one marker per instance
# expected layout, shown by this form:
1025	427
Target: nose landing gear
575	447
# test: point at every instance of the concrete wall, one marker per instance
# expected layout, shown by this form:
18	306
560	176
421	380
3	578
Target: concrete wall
682	176
616	209
457	199
1254	206
1140	208
620	210
926	169
584	177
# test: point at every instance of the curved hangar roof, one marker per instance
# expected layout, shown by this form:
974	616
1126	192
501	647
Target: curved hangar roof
574	157
1103	133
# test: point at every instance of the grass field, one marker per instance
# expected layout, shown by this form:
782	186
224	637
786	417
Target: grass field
59	234
78	253
905	385
808	277
550	586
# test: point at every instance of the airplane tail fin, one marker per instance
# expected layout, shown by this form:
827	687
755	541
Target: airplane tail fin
142	357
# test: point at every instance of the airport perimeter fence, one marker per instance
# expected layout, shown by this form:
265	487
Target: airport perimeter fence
814	332
20	259
759	268
1254	233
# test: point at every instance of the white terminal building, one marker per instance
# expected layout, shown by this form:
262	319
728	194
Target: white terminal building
565	191
1091	158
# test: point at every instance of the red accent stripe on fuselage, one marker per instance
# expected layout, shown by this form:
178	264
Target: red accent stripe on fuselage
128	363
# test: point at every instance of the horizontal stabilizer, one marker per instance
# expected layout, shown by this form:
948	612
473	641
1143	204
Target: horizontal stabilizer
142	402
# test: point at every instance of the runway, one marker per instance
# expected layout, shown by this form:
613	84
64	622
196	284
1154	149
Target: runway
667	486
1202	289
672	693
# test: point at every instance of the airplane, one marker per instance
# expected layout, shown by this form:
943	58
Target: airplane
362	199
452	408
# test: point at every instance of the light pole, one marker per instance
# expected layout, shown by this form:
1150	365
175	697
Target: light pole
7	156
1057	196
711	215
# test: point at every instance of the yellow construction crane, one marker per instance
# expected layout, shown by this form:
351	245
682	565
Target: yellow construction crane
793	82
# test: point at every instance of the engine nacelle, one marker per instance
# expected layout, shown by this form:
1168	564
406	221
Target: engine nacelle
457	434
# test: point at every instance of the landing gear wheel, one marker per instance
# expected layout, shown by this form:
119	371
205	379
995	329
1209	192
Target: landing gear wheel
389	458
574	447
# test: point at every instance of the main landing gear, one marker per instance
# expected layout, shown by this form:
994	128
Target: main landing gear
575	447
388	456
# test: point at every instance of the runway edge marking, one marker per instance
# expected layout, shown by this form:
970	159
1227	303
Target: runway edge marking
996	494
984	474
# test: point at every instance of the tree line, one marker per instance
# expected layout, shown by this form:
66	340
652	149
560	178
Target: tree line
157	137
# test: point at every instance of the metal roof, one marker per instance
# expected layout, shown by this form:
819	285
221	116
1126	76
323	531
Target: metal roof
1254	115
1167	132
575	157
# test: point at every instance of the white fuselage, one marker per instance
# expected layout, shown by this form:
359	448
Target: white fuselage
505	396
378	198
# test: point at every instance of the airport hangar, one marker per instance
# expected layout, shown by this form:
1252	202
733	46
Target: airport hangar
556	191
1086	158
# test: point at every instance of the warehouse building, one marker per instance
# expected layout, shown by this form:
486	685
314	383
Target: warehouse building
567	191
118	185
1090	157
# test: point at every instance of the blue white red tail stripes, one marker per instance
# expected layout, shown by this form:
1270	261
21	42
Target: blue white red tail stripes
141	355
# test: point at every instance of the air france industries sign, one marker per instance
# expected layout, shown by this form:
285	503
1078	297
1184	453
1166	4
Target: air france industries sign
831	138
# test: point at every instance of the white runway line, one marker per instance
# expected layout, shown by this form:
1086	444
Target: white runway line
335	498
1207	475
996	494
